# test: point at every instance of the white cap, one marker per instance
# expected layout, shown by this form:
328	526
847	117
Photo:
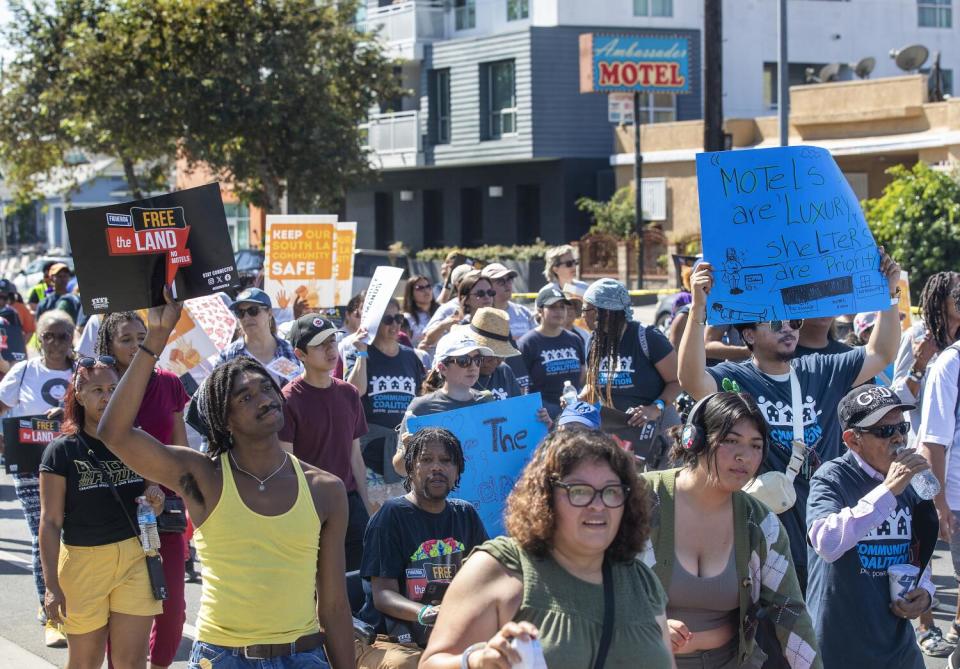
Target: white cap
457	343
497	270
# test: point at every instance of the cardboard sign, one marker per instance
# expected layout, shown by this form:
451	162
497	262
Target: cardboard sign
345	243
125	253
205	328
786	237
630	63
382	284
498	440
904	307
24	439
299	260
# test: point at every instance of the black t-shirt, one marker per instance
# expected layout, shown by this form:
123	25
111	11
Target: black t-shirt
636	380
406	543
14	347
501	382
392	382
551	361
91	516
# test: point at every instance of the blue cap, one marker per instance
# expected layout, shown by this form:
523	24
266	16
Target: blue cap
581	412
252	295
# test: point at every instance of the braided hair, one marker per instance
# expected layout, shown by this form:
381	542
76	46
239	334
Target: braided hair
215	402
605	346
938	291
110	328
419	442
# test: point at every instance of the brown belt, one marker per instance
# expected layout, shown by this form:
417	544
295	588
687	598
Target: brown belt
266	651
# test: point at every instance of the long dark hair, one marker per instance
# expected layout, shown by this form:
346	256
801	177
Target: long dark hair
935	299
605	346
467	284
410	304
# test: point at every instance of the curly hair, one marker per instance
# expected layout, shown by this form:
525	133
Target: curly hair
110	328
715	420
423	438
215	402
531	515
938	291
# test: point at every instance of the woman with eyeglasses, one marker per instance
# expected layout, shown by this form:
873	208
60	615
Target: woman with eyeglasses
419	305
576	520
97	585
713	545
388	376
259	340
560	265
36	387
120	336
475	291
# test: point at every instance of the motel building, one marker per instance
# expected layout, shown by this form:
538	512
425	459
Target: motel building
868	125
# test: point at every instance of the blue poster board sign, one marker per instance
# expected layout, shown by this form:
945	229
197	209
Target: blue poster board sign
634	63
786	237
498	440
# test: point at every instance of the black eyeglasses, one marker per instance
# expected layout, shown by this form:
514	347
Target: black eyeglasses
56	336
390	320
583	494
887	431
89	363
490	292
464	361
777	326
566	263
253	311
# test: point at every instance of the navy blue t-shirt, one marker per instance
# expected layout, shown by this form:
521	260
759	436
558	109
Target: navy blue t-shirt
501	382
392	383
824	380
849	598
551	361
635	379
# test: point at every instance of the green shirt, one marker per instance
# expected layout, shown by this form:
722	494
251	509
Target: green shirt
569	612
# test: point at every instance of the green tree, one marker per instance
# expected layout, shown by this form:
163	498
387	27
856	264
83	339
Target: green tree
917	220
616	216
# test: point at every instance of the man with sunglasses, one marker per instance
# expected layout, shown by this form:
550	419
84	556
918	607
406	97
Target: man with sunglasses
862	519
823	381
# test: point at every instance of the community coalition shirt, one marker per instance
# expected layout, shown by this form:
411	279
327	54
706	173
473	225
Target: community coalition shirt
30	389
852	594
551	361
824	380
501	382
392	383
634	379
415	547
322	423
91	516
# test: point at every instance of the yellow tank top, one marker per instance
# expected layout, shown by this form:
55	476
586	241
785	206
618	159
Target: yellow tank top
259	572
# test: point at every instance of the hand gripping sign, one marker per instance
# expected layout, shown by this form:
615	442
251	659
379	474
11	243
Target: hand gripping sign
148	231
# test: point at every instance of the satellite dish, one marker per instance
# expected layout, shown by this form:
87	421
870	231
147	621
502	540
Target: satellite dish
864	67
830	72
810	75
910	58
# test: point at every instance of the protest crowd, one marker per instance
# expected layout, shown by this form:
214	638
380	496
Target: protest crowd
709	497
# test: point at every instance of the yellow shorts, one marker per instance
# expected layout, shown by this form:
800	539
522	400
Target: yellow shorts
100	580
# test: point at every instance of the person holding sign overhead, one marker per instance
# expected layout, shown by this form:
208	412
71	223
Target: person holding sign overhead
807	388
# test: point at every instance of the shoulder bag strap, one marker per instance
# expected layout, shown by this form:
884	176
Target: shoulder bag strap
798	454
642	336
608	614
113	489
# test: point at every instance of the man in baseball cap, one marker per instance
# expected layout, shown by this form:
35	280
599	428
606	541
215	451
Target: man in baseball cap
863	517
501	278
579	414
310	330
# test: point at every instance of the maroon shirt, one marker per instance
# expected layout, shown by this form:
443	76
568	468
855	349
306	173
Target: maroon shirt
322	423
164	397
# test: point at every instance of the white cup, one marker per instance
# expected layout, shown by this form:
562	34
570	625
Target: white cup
902	579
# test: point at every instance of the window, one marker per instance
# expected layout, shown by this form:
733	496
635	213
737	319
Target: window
438	89
471	217
653	7
501	107
658	107
465	14
238	224
798	76
946	80
934	13
518	9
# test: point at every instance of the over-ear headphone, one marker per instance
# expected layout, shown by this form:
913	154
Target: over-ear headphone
692	436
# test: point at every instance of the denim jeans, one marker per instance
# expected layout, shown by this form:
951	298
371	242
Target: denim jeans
218	657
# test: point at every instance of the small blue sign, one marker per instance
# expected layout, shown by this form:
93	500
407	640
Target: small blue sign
786	237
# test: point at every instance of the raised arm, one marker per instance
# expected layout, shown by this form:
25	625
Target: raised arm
692	361
885	338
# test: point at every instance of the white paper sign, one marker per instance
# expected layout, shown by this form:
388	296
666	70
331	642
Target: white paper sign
379	292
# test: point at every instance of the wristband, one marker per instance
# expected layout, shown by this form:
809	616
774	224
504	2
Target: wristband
895	297
660	404
465	657
362	354
148	351
420	613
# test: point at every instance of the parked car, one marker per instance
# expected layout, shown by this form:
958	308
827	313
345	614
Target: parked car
249	263
31	275
665	311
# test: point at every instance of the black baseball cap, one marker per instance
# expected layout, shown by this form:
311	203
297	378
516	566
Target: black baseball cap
310	330
550	294
865	405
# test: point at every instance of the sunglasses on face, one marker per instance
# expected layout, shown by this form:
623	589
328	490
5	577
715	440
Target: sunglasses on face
777	326
480	293
49	337
583	494
422	286
464	361
89	363
253	311
887	431
390	320
566	263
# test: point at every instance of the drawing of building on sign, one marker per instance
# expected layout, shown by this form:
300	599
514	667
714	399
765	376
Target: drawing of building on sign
867	283
753	281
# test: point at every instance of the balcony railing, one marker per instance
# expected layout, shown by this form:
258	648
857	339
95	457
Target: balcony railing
394	139
405	27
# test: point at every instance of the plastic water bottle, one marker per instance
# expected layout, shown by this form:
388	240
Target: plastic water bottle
569	394
147	520
924	483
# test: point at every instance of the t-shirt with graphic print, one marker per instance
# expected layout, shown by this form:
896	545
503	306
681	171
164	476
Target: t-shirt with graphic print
392	383
415	547
636	380
824	380
501	382
31	389
551	361
91	516
849	598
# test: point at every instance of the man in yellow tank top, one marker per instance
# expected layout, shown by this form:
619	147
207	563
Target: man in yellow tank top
269	528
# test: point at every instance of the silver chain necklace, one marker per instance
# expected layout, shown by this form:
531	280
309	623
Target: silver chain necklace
262	482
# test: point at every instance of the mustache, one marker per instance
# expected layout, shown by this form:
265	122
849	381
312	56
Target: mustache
267	409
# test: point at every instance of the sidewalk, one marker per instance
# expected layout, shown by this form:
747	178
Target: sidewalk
12	655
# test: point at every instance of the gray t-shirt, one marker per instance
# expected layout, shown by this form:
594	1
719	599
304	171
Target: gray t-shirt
438	402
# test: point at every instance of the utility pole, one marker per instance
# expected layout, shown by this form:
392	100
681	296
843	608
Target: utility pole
713	75
783	75
638	190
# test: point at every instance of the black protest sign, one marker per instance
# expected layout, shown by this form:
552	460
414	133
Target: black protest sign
24	438
125	253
